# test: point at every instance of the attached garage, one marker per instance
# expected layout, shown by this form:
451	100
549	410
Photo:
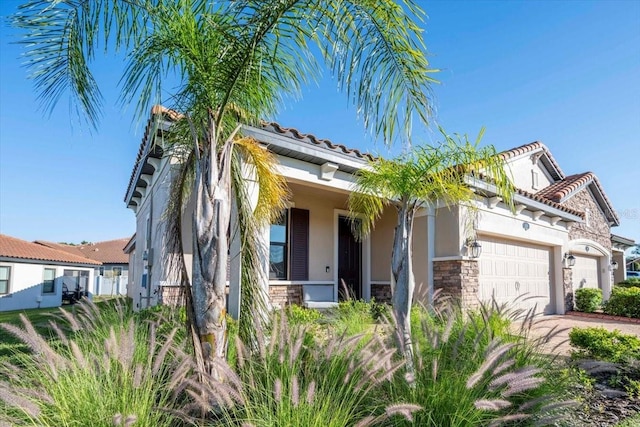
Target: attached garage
586	272
516	273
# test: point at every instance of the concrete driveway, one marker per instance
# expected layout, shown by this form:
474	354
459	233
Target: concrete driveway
559	342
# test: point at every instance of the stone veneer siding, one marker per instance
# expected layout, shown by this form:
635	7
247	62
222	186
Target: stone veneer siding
283	295
567	285
458	279
598	229
381	292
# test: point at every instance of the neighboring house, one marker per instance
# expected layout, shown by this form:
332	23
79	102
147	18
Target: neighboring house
620	262
113	273
557	240
33	275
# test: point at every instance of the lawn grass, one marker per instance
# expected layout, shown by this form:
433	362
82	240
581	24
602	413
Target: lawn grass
10	345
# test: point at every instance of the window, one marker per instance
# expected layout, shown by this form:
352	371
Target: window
49	281
76	280
278	248
289	246
101	271
117	271
5	275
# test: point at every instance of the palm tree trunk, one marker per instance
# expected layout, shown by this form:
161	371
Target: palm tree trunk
403	282
212	216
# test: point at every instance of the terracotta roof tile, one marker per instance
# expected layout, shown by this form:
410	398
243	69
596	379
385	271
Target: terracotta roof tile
311	139
107	252
527	148
541	199
11	247
561	189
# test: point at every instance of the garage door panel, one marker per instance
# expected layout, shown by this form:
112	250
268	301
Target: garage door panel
586	272
516	273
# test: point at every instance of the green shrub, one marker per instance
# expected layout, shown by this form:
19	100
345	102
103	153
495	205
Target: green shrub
630	282
588	299
600	344
624	302
297	315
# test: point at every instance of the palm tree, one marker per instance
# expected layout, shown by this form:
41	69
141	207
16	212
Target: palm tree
234	63
416	180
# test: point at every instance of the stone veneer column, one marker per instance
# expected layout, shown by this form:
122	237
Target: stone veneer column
459	279
567	286
283	295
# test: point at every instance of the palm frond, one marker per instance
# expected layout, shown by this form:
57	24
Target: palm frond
62	40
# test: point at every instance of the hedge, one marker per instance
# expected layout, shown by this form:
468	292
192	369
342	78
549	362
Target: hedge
630	282
624	302
600	344
588	299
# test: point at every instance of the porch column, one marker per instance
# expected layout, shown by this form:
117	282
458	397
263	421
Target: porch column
431	250
235	265
567	285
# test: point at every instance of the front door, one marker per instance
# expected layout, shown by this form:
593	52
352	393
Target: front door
349	261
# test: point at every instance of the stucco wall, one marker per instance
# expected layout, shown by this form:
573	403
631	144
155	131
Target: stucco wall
598	228
153	205
321	205
26	286
446	233
522	174
381	245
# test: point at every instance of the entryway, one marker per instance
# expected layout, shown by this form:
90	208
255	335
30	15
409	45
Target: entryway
349	261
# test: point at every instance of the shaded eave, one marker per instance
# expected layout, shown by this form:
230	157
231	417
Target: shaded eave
622	243
291	143
531	201
149	155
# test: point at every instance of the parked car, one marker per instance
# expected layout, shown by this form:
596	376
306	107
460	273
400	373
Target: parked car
633	274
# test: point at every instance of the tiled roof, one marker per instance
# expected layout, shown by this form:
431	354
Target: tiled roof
531	147
340	148
11	247
156	110
311	139
561	189
107	252
549	202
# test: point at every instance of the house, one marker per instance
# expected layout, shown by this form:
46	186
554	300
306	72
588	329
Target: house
557	240
34	276
113	273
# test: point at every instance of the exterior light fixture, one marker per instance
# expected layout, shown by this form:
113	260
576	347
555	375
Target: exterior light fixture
614	265
474	248
569	260
526	226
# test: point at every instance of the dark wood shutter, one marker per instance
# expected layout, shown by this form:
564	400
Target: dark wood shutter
299	239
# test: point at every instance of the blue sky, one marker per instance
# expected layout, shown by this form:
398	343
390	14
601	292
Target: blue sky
566	73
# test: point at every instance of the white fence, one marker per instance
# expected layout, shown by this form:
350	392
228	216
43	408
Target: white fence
111	285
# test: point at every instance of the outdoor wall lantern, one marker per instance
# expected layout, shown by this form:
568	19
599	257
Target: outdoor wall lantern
614	265
474	248
569	260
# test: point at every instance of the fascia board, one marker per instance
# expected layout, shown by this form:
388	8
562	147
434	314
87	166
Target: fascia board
530	203
282	141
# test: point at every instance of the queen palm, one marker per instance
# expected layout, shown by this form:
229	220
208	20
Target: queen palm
419	179
222	64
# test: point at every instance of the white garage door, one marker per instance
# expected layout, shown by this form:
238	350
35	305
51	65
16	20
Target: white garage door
516	273
585	272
